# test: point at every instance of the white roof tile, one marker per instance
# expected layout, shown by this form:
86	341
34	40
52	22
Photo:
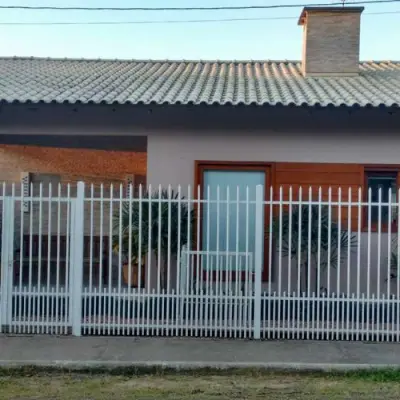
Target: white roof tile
193	82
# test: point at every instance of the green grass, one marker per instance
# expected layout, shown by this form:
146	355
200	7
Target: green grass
46	384
375	375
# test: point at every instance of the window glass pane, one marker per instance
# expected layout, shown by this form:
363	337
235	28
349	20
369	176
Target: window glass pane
382	184
229	225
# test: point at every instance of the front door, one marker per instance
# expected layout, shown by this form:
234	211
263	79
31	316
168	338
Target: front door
228	219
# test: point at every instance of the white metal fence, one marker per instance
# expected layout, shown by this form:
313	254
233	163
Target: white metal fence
227	262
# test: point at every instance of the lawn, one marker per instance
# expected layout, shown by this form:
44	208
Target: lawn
222	386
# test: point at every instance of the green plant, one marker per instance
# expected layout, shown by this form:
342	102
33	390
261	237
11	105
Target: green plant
161	222
316	232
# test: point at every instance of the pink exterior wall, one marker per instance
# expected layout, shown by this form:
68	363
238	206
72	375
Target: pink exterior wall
171	161
171	157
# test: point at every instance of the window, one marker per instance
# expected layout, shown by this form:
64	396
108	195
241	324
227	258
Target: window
234	185
383	189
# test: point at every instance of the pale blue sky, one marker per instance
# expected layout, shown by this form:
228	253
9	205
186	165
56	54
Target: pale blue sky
268	39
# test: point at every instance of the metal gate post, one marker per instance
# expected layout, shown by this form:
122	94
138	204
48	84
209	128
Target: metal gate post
258	259
7	262
76	260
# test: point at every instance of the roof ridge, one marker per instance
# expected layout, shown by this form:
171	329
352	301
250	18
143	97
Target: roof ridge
155	60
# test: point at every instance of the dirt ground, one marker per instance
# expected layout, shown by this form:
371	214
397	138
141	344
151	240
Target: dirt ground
201	387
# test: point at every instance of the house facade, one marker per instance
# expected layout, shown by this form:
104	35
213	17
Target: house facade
328	122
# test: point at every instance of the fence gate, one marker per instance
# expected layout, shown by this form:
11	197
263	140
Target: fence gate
35	258
207	291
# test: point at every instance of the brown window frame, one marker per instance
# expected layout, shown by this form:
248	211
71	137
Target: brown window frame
268	168
379	170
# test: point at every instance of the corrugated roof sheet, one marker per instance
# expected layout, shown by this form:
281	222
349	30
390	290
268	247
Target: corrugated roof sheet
193	82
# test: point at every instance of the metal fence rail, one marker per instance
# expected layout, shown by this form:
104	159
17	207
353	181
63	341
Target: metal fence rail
224	262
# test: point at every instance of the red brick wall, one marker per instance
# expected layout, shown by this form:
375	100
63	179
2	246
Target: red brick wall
70	164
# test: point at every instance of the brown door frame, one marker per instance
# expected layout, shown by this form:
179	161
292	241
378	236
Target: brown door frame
266	167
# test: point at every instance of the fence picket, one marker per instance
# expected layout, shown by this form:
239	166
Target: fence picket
258	259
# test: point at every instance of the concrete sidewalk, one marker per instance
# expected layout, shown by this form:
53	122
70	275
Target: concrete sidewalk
194	353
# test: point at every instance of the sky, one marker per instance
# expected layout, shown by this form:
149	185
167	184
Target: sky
277	37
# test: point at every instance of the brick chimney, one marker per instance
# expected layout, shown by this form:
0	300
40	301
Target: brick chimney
331	40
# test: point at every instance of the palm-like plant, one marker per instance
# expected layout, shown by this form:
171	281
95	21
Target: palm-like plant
160	222
312	235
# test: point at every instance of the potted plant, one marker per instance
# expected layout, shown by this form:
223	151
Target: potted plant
130	270
319	236
125	221
318	233
158	216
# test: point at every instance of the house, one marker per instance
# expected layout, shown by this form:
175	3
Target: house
328	121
